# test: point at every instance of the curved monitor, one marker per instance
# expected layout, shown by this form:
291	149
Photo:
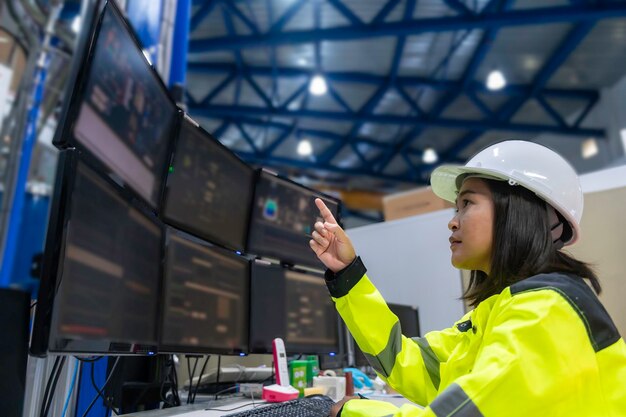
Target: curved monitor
205	298
282	219
209	189
120	112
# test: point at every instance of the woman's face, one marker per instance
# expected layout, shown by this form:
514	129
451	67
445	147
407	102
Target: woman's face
472	227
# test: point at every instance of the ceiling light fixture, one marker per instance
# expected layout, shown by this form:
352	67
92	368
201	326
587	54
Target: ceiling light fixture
305	148
589	148
76	24
430	156
318	86
496	80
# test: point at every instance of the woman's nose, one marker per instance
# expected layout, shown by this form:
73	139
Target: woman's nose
453	224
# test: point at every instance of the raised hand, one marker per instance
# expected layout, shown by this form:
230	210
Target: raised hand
330	242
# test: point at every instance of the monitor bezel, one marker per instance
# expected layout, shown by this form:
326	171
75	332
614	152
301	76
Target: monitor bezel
75	94
187	121
305	349
45	340
277	254
175	348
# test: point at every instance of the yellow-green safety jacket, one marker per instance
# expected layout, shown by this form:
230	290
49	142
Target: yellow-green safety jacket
544	346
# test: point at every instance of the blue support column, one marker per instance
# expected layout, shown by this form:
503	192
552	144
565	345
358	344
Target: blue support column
17	205
178	64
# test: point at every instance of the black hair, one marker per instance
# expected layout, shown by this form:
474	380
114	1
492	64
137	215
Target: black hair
522	244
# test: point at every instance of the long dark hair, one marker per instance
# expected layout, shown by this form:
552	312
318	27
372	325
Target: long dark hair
522	244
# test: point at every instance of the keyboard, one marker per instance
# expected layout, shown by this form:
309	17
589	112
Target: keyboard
318	406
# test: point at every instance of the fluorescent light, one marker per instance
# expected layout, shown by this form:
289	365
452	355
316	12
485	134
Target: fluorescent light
496	80
76	24
318	86
430	156
623	135
305	148
589	148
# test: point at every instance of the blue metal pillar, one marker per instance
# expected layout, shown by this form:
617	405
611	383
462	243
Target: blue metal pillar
178	64
16	212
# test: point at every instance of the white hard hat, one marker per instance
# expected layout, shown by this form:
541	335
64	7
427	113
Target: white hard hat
527	164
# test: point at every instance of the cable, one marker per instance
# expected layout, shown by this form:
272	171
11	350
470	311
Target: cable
69	394
103	386
193	398
192	373
95	386
51	385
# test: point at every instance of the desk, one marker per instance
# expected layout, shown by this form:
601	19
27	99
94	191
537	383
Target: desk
226	406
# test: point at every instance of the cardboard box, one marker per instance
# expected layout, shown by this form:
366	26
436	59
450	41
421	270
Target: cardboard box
412	202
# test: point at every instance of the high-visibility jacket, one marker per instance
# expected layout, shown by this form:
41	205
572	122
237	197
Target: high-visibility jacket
544	346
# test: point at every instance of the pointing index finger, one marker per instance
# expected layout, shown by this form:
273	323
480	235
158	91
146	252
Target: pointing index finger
324	211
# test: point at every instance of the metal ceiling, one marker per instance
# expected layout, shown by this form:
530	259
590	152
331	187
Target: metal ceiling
402	75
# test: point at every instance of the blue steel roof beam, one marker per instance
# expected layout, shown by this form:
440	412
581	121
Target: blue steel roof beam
479	104
413	173
592	102
390	119
551	111
384	11
300	163
302	89
337	97
230	28
247	138
497	6
279	140
377	97
238	89
218	89
295	7
258	90
221	129
235	11
366	108
573	38
274	62
404	81
414	106
458	7
346	12
204	10
523	17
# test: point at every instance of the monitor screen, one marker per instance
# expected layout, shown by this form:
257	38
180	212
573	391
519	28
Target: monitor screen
209	189
301	313
105	272
123	115
282	219
206	295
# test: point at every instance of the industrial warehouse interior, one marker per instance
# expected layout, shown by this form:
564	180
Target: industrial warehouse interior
259	207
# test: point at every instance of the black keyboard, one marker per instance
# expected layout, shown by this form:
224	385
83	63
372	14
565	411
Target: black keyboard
318	406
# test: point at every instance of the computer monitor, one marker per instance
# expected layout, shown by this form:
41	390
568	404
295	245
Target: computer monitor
119	111
292	305
209	189
409	322
206	298
282	219
101	273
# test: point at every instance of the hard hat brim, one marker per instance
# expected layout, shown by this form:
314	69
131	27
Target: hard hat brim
443	179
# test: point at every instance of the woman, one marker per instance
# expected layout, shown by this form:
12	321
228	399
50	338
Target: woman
538	342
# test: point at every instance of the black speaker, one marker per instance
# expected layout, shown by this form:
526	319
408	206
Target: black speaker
14	325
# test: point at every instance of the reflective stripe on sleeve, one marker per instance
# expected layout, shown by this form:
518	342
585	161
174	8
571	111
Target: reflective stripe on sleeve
454	402
383	362
430	360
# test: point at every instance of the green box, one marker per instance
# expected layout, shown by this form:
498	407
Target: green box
312	369
298	375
